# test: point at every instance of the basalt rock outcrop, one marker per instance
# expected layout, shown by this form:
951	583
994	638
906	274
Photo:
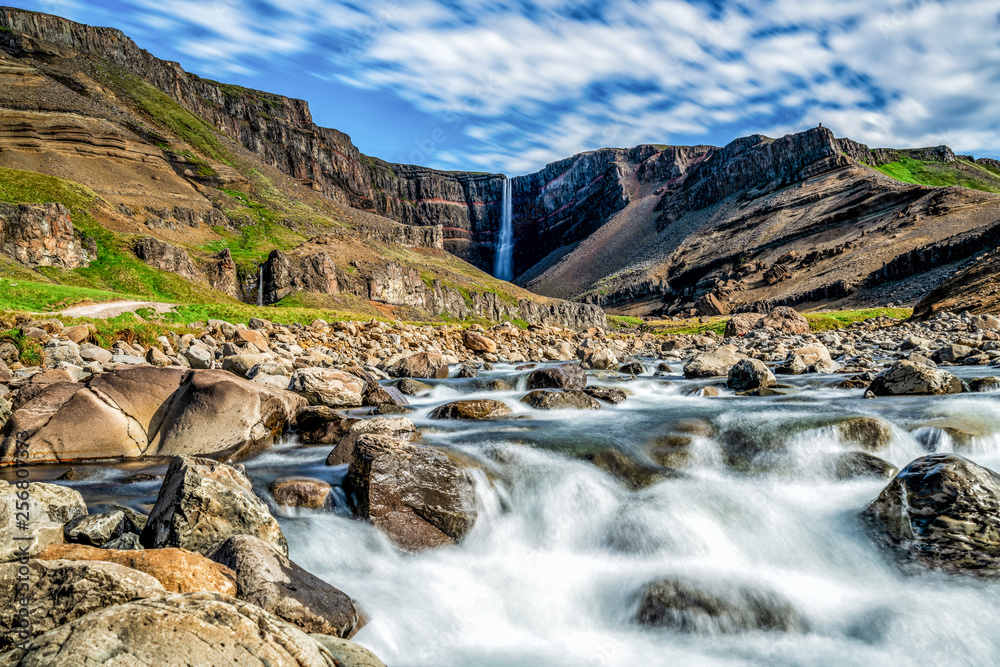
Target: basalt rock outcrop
40	235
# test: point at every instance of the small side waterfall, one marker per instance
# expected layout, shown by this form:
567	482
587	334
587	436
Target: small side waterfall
503	264
260	286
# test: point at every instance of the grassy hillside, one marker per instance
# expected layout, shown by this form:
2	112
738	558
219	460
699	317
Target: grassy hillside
961	172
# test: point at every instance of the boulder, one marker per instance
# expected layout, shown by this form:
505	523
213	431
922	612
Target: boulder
146	411
942	512
419	496
748	374
817	357
479	343
56	592
325	386
98	529
986	322
563	376
869	433
240	364
420	365
560	399
177	570
602	360
252	336
951	354
412	387
375	395
855	465
301	492
399	428
203	502
783	319
630	471
608	395
58	351
483	408
792	365
177	629
269	580
711	364
632	368
197	356
49	506
684	607
320	425
908	378
741	324
984	385
347	653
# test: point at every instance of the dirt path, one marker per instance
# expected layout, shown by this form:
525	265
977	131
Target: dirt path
113	309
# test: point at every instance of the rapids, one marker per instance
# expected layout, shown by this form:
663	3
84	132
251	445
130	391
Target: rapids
549	576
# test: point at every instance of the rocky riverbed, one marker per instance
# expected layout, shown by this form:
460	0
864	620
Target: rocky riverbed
323	494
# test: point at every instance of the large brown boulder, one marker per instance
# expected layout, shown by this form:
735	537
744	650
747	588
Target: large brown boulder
149	411
320	425
784	319
325	386
420	365
563	376
473	409
941	511
419	496
59	591
269	580
177	629
177	570
203	502
910	378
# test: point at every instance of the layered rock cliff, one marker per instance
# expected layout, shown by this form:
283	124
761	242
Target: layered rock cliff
40	235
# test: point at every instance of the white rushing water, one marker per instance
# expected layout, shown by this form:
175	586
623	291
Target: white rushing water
503	267
550	574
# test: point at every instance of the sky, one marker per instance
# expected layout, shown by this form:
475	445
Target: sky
510	86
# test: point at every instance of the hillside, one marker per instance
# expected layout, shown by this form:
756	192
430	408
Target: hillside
182	189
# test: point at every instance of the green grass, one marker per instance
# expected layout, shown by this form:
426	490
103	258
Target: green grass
625	322
844	318
29	349
36	297
962	173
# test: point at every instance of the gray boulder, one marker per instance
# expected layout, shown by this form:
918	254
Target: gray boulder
749	374
909	378
269	580
325	386
942	512
49	507
564	376
570	399
178	629
203	502
399	428
96	530
60	591
711	364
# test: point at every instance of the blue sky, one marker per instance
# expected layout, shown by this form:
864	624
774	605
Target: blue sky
509	86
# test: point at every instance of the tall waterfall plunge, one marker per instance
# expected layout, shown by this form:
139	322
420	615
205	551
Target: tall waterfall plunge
503	264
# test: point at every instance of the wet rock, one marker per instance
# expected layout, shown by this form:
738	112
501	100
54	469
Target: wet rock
672	446
704	392
856	382
793	365
854	465
711	364
321	425
632	368
908	378
146	411
301	492
125	542
685	607
601	360
61	591
749	374
399	428
177	570
484	408
271	581
941	511
203	502
412	387
566	399
468	371
182	628
98	529
419	496
325	386
631	472
869	433
984	385
141	477
375	395
608	395
564	376
419	365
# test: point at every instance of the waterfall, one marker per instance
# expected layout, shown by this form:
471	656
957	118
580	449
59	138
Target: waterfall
260	285
503	264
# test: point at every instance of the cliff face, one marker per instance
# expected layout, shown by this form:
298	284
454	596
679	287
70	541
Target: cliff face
40	235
